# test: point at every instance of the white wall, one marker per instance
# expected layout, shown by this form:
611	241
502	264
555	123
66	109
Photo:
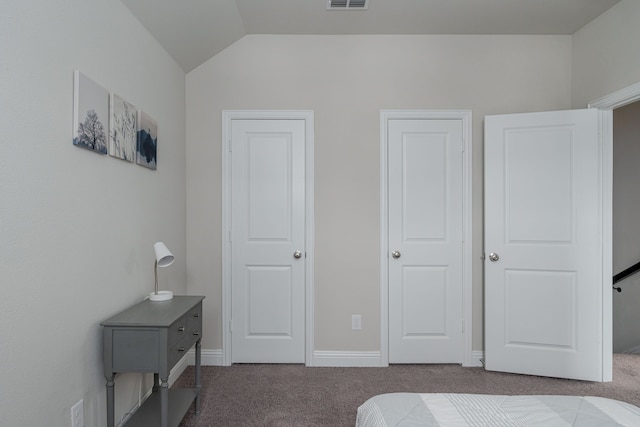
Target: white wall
76	227
626	224
346	81
605	54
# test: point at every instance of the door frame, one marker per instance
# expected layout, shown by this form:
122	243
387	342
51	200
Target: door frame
467	219
227	117
606	105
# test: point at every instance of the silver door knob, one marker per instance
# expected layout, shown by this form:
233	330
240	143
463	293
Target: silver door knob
297	254
493	257
395	254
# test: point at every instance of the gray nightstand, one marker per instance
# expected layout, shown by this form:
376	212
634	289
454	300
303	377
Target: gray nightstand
153	337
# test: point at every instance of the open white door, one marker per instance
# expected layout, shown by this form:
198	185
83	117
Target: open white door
543	245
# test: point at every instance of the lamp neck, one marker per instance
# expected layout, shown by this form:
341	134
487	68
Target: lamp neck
155	273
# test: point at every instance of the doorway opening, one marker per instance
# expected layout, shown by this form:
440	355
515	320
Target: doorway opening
608	104
626	227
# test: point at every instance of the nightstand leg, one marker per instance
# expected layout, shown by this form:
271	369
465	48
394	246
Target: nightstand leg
164	402
110	400
198	376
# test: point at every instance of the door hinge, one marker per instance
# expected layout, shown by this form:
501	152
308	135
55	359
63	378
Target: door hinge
462	325
230	325
230	146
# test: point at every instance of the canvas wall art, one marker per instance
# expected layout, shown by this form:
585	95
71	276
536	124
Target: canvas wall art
90	114
122	129
147	141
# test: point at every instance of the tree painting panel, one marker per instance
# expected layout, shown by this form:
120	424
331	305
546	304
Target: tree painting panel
90	114
147	141
122	129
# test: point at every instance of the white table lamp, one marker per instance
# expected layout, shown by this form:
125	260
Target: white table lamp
164	258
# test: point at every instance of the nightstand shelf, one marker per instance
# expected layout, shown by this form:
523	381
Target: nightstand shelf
149	413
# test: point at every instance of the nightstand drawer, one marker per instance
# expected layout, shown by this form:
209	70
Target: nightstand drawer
194	318
178	330
135	349
180	349
184	333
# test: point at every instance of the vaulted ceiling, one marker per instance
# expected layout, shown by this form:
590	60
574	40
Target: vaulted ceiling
193	31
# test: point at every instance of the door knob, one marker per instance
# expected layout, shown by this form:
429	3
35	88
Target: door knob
395	254
297	254
493	257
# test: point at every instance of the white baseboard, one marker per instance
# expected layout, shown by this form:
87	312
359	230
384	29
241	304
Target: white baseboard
175	373
178	369
368	359
322	358
207	357
346	358
477	358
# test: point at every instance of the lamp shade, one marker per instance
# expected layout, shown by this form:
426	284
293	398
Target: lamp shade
164	257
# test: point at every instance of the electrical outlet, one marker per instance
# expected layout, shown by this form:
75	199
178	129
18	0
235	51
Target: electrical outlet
356	322
77	414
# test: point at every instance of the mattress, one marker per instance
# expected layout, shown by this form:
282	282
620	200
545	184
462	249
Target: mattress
453	410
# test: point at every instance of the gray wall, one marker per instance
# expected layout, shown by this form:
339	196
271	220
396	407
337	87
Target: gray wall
76	227
346	81
605	54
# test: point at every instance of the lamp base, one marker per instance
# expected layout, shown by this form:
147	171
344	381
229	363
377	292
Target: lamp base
161	296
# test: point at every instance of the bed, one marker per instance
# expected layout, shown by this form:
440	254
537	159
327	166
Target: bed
453	410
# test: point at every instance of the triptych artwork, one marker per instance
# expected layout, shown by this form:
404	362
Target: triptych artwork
106	123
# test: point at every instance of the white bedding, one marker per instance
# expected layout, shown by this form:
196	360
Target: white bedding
464	410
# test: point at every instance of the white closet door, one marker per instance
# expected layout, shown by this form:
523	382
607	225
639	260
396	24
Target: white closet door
268	241
425	187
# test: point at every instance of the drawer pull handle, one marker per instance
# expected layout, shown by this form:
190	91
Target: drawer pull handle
181	349
196	314
181	329
196	334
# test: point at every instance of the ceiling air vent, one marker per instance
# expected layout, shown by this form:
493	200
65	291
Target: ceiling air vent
347	4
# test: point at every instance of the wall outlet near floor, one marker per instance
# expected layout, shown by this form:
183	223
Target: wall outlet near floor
356	322
77	414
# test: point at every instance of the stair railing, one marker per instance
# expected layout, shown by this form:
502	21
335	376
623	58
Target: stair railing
624	274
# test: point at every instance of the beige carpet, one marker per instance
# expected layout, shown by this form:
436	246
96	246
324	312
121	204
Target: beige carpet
294	395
